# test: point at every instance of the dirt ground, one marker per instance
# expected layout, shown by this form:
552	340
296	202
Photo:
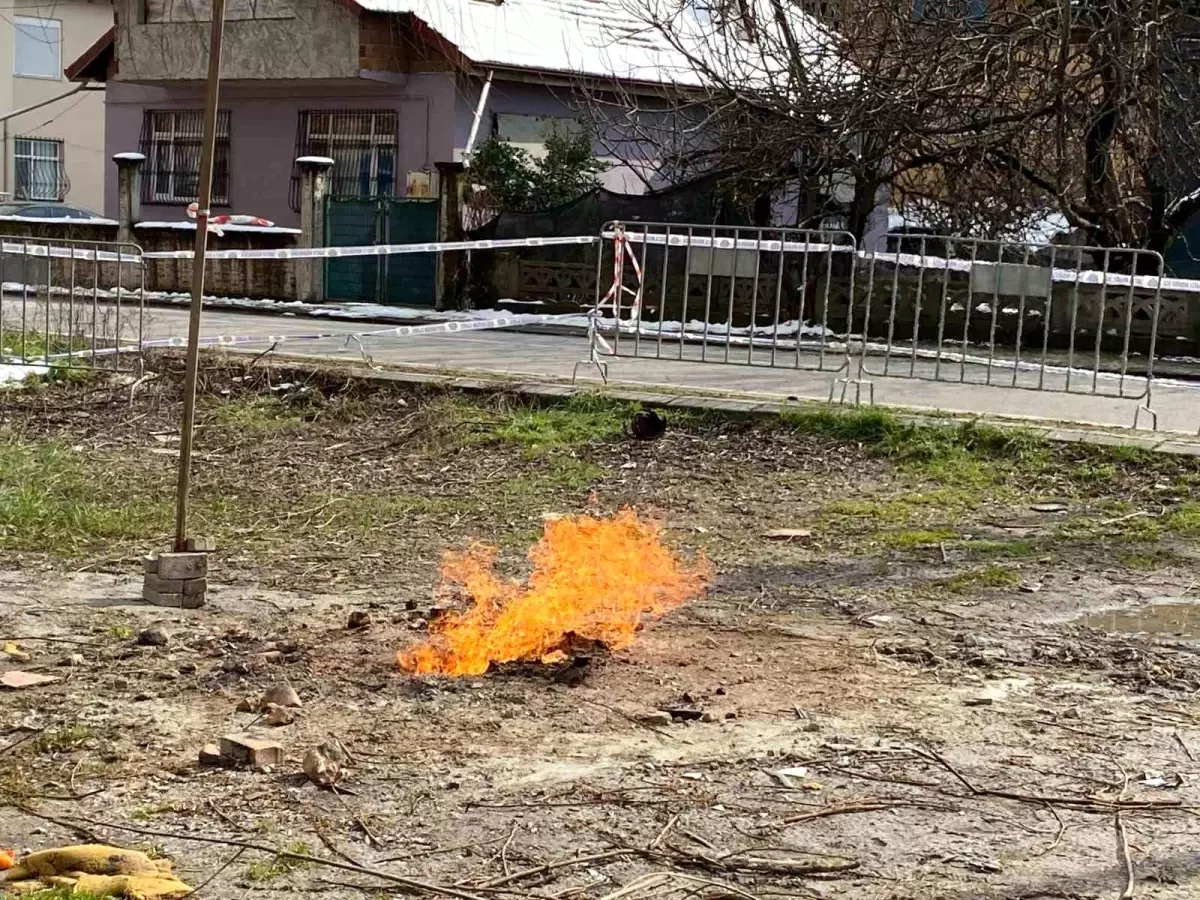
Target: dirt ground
969	674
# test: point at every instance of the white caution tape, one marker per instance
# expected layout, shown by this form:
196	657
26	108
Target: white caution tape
378	249
231	340
125	254
236	340
675	239
1069	276
470	325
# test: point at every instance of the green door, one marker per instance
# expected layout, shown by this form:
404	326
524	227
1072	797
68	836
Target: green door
411	278
395	279
349	223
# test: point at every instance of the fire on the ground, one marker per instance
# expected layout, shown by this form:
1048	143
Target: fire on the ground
594	581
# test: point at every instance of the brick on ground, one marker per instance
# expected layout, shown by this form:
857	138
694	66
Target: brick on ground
182	566
174	600
245	749
190	586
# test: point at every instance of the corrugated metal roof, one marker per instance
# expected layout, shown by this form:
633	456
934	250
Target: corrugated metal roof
608	38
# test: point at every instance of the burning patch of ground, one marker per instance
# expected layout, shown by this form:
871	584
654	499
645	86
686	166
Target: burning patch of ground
595	583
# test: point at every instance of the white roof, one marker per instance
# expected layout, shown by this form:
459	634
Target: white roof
610	38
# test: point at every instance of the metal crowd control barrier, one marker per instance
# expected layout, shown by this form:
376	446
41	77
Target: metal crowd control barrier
951	310
723	294
1003	314
71	304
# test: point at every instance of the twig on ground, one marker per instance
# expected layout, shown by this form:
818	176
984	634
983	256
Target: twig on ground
211	878
1124	858
627	717
370	835
852	806
504	849
33	732
436	850
698	838
656	880
1090	803
666	829
1062	829
1186	749
51	640
334	849
212	805
560	864
266	352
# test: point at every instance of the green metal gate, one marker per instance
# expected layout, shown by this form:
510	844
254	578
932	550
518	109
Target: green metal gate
395	279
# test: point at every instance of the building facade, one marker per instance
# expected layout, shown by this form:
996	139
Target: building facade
56	151
392	90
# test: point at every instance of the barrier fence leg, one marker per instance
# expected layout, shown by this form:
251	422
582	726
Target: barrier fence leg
593	356
858	381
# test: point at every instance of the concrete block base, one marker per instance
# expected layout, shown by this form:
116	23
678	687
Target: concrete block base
176	580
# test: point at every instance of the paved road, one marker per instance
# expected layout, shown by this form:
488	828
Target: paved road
544	356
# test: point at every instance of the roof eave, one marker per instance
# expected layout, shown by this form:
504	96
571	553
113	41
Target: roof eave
94	62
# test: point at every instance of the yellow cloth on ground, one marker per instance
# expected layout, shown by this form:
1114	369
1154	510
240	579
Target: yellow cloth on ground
96	869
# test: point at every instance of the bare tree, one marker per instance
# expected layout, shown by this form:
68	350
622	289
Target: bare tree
983	115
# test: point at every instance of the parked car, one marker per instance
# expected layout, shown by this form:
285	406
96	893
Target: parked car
34	210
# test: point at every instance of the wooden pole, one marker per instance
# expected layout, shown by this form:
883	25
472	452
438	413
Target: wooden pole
212	92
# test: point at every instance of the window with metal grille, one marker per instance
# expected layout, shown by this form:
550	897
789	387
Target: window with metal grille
362	144
40	174
171	144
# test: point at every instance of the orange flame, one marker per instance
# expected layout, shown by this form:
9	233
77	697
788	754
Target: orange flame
593	579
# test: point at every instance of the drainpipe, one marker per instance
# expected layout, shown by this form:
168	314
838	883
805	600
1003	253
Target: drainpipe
483	98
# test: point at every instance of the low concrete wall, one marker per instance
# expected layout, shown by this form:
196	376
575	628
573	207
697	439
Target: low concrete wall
223	277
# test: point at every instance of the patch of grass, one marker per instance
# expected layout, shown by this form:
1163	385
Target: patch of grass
153	810
1146	560
949	454
255	413
1183	519
51	497
35	345
1014	549
268	870
578	421
892	512
62	739
991	576
118	632
909	540
1141	529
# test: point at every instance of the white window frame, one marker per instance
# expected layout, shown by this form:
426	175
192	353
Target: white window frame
32	145
165	130
33	28
325	142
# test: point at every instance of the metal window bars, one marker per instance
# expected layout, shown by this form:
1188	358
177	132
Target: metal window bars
170	142
364	145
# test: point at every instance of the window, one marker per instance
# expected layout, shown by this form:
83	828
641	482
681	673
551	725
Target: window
362	144
530	133
40	174
38	47
171	144
971	12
